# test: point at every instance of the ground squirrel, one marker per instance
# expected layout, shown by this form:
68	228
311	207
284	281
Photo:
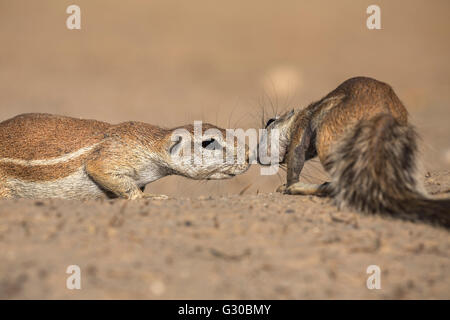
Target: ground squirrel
50	156
361	135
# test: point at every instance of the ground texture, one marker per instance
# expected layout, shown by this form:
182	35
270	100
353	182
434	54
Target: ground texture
170	63
266	246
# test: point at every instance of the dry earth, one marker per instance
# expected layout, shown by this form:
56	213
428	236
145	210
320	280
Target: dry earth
265	246
172	62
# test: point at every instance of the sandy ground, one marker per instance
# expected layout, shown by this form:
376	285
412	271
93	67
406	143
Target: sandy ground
172	62
248	247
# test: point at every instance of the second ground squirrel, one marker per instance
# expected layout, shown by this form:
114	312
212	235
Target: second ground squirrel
362	137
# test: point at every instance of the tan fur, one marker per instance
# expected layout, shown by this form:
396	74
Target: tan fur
354	100
42	136
360	133
50	156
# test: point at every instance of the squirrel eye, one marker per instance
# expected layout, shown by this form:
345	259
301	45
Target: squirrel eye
269	122
206	143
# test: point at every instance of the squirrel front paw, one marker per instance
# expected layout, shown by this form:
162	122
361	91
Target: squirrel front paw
155	196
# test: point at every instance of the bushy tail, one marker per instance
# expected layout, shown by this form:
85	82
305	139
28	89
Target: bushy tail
373	169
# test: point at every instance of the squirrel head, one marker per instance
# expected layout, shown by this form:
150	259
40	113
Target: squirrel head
203	151
275	139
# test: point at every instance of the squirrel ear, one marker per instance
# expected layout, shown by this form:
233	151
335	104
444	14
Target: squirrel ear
175	144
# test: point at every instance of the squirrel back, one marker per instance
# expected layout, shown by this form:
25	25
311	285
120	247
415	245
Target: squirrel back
361	134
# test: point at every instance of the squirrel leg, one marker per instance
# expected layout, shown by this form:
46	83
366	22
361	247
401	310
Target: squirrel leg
119	184
296	158
107	169
301	188
153	196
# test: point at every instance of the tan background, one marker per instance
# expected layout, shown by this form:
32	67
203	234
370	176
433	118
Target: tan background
173	62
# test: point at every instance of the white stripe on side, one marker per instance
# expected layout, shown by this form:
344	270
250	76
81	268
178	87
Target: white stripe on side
52	161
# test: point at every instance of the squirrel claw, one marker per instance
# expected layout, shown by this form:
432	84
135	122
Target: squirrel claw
155	196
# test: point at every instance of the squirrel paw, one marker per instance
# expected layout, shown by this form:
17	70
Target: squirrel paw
308	189
282	188
155	196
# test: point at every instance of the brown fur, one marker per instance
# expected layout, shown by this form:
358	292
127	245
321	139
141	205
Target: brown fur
360	133
43	155
42	173
41	136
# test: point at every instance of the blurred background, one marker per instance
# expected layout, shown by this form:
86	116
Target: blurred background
169	63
